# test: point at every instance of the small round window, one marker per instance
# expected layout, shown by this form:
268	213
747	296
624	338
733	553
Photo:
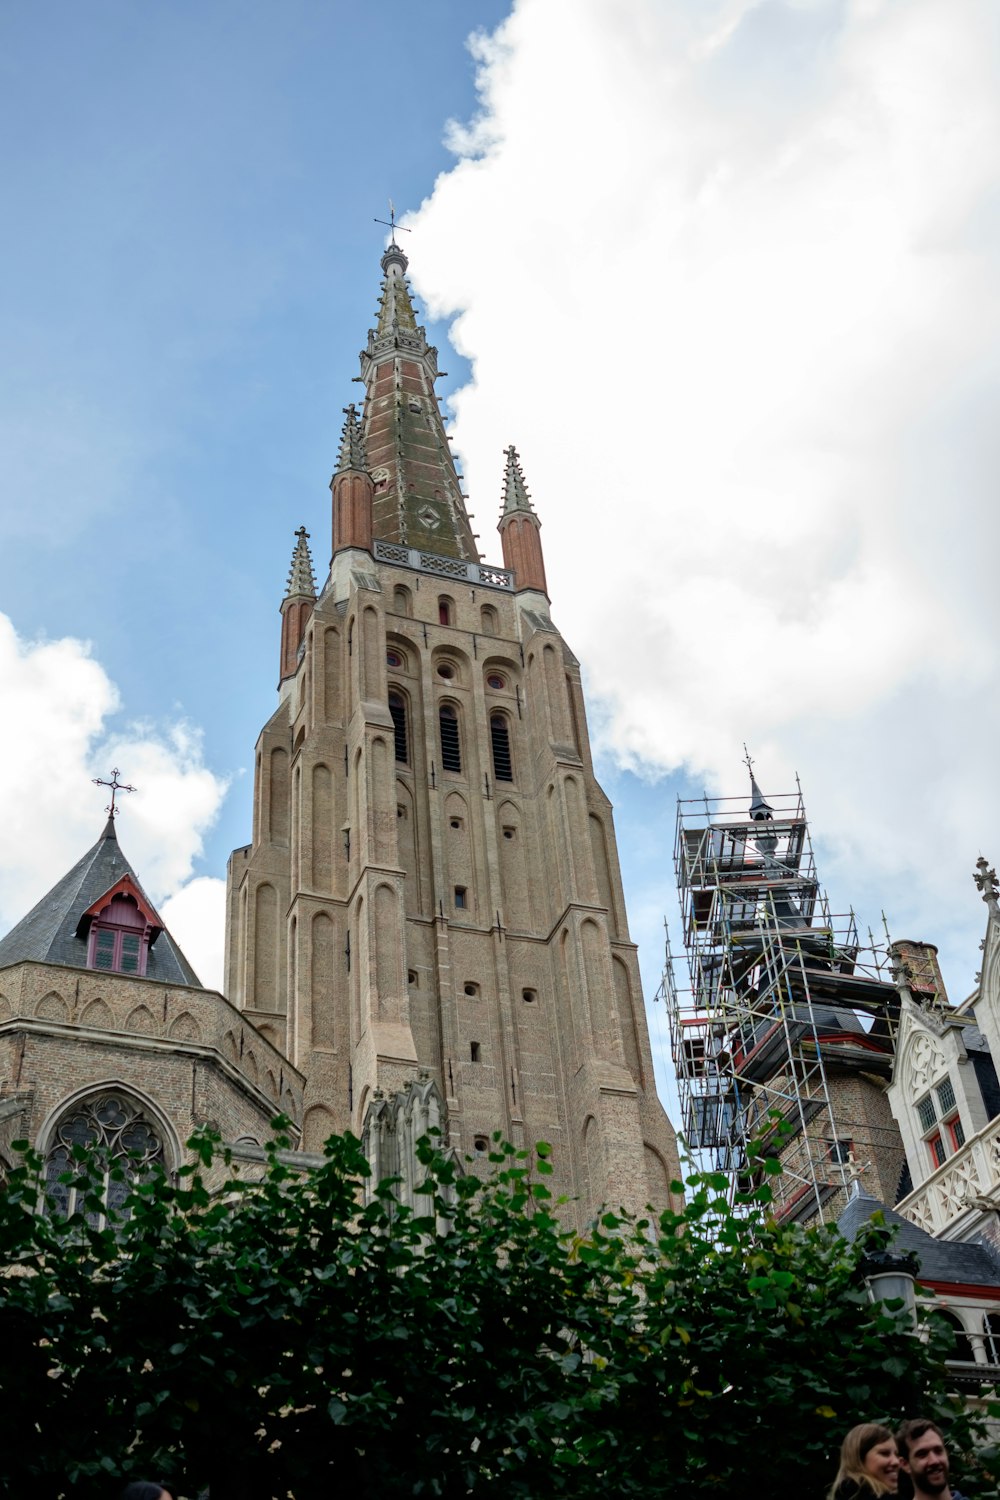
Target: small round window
496	682
393	659
446	670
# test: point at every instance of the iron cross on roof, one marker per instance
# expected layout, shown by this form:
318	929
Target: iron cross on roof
116	786
390	222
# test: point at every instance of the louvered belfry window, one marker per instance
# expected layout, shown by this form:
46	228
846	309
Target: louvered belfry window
451	749
500	739
397	708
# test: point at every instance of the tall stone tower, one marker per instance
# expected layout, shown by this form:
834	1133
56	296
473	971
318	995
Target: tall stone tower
433	884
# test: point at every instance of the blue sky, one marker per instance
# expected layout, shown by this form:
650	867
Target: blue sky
725	270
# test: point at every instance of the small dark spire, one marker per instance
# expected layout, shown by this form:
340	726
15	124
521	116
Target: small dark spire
352	444
761	810
301	579
109	830
515	491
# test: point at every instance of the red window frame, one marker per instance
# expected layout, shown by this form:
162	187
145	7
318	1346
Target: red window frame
119	936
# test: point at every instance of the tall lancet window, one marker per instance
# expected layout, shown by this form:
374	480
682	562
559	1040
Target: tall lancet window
500	740
451	747
126	1147
397	708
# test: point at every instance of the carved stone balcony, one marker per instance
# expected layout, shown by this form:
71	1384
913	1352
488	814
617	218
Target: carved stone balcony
968	1179
444	567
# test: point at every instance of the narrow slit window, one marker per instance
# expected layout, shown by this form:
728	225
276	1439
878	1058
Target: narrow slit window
500	740
476	1051
460	895
444	611
397	708
451	749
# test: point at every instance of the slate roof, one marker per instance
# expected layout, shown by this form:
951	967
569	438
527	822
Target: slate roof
940	1260
51	932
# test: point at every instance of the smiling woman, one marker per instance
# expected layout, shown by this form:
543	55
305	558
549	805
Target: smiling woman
869	1464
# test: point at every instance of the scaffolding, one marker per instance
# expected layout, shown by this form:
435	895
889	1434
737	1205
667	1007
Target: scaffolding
784	1005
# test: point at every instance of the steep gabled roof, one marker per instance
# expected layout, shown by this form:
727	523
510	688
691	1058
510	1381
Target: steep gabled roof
55	930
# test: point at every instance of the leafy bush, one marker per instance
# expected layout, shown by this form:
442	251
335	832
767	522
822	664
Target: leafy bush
285	1336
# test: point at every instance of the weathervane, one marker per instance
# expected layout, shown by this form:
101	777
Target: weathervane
390	222
116	786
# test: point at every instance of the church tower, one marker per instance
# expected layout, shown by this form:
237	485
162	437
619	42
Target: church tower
432	889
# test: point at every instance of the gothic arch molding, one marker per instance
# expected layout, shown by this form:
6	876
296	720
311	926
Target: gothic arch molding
172	1150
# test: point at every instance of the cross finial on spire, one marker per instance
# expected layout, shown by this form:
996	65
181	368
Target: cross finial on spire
747	758
116	786
301	579
391	224
352	443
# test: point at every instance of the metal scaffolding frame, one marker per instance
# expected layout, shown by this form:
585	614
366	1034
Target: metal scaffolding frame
783	998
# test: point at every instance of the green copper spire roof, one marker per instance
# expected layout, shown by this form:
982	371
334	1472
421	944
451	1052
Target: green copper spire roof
418	498
515	491
301	579
352	444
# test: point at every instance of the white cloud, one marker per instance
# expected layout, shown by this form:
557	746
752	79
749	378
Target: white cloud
726	274
196	916
58	707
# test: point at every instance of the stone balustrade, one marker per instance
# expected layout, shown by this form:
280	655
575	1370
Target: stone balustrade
968	1177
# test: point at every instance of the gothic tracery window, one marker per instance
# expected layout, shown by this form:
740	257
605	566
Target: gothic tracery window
127	1150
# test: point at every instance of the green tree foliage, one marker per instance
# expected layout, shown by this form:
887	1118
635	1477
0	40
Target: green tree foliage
285	1337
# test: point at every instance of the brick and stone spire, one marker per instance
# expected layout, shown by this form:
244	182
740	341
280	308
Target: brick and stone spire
352	488
297	605
417	494
519	530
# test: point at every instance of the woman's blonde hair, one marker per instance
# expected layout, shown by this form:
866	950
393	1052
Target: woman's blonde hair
855	1448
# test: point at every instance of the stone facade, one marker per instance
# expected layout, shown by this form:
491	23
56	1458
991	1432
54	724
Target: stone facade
433	881
183	1056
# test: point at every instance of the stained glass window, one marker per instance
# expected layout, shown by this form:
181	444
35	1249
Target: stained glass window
127	1148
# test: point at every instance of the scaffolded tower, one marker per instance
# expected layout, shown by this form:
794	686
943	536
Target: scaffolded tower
786	1031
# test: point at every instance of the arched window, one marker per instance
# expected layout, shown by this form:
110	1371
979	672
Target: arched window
401	600
397	708
451	749
963	1344
445	610
488	619
119	936
126	1147
500	740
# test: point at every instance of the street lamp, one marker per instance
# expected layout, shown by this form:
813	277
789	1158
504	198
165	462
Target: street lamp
891	1277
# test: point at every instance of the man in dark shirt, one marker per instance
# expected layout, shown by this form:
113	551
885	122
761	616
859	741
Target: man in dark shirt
924	1457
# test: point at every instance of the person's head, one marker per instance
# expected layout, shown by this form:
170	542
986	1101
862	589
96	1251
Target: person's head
924	1456
143	1489
868	1455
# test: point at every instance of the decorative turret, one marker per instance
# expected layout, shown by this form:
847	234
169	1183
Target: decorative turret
352	489
418	498
519	530
297	605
